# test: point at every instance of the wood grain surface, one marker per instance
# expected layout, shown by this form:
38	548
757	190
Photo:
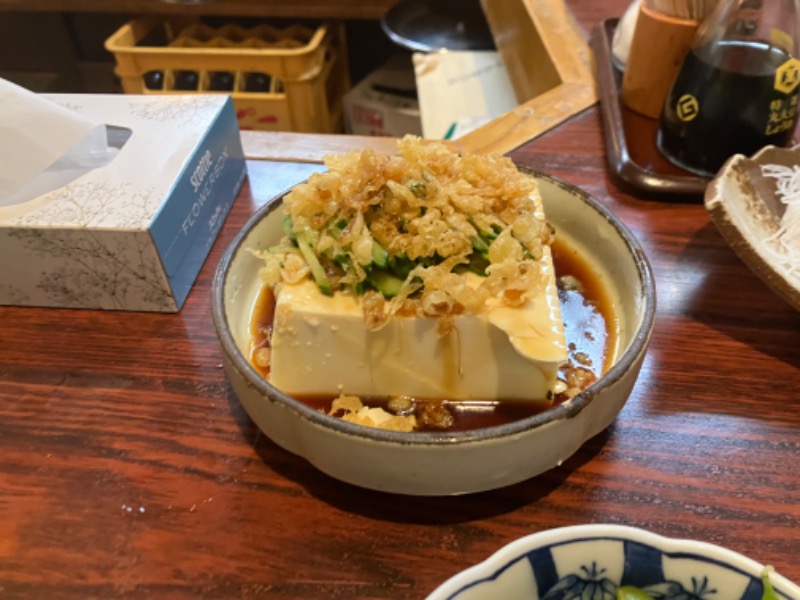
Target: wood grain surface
128	468
313	9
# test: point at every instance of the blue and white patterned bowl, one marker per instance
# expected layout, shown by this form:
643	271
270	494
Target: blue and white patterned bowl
591	561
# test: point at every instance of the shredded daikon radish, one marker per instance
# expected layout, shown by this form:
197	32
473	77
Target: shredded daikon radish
784	244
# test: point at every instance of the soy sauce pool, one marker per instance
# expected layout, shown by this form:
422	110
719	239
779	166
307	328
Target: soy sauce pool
590	328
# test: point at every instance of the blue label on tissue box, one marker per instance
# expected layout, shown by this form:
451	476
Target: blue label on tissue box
192	215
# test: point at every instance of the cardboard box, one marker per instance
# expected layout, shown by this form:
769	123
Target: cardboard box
460	91
131	235
384	103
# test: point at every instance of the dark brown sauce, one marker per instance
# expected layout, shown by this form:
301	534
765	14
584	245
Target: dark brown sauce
589	326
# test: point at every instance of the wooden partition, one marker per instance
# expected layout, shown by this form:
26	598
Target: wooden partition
550	67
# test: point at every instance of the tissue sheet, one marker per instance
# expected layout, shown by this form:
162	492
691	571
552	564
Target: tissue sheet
35	133
128	234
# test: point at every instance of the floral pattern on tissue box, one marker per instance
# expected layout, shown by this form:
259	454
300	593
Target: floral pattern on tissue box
106	239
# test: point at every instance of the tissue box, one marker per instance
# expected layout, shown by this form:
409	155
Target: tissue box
385	102
131	235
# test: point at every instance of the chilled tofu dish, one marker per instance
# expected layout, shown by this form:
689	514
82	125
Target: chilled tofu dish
425	291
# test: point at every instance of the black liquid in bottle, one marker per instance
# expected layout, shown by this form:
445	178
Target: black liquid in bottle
154	80
730	97
186	80
221	81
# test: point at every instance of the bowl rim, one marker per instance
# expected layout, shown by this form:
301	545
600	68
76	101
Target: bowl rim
561	412
740	240
504	557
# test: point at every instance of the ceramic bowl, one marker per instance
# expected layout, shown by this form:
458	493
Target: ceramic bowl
420	463
592	561
744	206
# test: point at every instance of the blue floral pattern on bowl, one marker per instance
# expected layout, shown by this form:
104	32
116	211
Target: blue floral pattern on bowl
591	562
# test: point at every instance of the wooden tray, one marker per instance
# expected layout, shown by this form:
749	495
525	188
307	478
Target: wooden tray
630	137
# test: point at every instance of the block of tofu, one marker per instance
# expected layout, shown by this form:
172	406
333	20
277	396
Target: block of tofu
322	346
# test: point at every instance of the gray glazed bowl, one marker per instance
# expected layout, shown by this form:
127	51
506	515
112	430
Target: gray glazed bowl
448	463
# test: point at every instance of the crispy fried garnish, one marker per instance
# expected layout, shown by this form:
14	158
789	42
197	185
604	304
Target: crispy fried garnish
435	214
351	409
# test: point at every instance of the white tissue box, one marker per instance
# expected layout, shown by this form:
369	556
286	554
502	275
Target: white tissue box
131	235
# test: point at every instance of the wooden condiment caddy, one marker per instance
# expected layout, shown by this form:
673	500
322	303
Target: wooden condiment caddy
660	43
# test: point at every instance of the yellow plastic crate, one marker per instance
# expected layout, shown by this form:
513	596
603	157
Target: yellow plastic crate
290	79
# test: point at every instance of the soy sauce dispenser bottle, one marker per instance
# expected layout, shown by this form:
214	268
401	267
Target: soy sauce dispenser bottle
738	88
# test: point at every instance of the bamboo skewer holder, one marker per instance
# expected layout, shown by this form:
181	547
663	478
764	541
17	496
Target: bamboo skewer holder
659	45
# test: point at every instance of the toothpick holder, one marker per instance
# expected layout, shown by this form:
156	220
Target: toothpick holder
659	44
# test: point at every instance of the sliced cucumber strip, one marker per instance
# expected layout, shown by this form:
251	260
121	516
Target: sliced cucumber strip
386	283
317	270
379	255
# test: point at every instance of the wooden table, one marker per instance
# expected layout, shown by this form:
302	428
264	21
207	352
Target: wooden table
128	469
313	9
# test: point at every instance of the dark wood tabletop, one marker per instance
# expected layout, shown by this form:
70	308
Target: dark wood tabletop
313	9
128	468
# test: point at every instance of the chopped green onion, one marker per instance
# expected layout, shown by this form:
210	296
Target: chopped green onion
419	190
